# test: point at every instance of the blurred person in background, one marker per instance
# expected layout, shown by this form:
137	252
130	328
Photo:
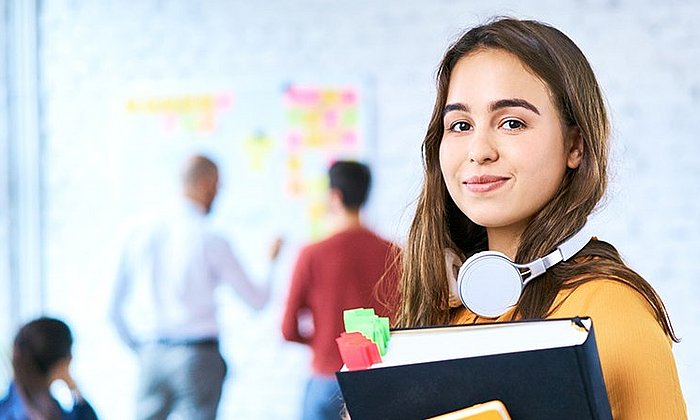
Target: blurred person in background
338	273
181	262
41	355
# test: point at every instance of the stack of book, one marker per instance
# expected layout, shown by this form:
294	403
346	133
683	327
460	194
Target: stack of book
544	369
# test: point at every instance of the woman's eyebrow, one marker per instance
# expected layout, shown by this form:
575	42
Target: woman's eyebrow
494	106
454	107
512	102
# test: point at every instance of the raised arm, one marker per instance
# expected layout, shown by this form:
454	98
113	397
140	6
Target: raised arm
229	271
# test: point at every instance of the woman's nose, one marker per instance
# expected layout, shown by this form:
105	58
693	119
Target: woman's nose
482	148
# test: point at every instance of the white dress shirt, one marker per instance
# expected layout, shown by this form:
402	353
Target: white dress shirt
167	277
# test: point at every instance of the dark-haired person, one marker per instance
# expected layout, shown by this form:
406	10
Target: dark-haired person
41	355
340	272
515	160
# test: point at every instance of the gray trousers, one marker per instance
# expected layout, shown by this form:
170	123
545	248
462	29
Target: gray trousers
183	380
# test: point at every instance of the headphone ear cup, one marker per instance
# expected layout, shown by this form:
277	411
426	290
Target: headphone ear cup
489	284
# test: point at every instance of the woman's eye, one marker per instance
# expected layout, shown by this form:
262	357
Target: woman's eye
460	126
513	125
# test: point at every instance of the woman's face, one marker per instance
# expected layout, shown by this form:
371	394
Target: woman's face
504	149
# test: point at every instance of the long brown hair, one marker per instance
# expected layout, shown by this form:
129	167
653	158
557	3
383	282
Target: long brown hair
38	346
439	224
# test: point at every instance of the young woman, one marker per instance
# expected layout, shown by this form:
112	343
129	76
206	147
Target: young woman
515	161
41	355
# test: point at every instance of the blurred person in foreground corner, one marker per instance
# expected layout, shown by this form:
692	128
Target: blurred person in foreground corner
179	262
340	272
41	355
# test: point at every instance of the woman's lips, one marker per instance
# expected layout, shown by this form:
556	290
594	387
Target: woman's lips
485	183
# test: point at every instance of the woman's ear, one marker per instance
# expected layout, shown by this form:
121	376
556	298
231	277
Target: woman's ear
575	144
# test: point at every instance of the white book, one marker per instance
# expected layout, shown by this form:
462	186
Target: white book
444	343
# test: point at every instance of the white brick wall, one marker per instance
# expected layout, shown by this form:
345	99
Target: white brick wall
646	55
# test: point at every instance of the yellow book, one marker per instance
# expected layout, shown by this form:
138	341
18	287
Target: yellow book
492	410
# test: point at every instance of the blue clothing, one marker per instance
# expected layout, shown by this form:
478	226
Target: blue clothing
12	408
322	400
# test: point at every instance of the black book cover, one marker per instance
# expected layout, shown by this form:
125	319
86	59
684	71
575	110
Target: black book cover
552	383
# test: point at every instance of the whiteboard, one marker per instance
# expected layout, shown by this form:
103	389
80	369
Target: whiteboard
272	139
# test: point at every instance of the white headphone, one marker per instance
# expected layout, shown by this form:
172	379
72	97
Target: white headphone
489	283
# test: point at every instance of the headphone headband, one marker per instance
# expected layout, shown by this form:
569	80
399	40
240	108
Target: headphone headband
575	243
567	249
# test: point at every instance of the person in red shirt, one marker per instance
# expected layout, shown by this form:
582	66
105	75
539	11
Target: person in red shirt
338	273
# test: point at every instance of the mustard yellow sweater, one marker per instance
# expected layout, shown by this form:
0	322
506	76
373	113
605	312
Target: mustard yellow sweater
638	366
